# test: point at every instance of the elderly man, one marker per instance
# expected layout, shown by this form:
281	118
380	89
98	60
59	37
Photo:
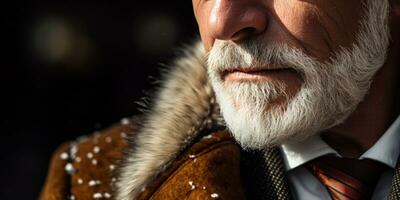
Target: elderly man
283	99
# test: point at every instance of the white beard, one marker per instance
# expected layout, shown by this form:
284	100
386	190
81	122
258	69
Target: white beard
330	92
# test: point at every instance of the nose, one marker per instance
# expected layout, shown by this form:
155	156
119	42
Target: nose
236	19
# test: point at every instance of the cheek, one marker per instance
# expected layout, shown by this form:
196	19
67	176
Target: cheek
302	24
319	28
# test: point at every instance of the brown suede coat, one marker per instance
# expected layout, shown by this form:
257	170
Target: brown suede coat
209	169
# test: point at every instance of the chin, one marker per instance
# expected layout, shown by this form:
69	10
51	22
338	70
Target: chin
262	115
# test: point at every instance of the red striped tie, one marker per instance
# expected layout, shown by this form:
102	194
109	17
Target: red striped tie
347	179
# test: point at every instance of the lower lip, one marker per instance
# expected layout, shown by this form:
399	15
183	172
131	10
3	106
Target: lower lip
265	75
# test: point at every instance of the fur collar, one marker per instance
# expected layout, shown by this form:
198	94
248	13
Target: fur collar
184	105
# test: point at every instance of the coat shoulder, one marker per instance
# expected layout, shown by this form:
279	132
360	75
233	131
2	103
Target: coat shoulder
86	168
208	169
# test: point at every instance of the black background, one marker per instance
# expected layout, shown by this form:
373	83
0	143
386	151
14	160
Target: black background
48	97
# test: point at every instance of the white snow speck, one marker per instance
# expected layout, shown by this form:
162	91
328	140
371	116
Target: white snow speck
112	167
78	159
92	183
204	187
123	134
80	181
107	195
208	137
69	168
214	195
97	195
96	149
64	156
94	162
192	156
89	155
125	121
108	139
192	186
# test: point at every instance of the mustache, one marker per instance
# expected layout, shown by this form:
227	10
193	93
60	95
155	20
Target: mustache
256	54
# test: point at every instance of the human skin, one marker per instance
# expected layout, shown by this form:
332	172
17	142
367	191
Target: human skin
319	28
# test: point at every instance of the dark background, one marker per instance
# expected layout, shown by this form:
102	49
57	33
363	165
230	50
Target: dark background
70	68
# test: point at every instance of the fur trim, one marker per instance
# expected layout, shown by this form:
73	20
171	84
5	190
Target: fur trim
182	107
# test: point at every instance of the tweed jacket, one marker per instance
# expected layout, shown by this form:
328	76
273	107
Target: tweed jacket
178	149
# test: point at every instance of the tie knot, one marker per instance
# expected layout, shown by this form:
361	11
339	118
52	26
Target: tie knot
345	177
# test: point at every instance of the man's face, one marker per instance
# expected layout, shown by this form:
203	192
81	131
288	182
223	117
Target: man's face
286	69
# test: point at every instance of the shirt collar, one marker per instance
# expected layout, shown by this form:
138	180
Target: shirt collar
386	150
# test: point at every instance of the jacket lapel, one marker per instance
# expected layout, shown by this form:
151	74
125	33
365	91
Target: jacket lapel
395	191
263	175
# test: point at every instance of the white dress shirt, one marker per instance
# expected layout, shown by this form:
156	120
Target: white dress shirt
304	186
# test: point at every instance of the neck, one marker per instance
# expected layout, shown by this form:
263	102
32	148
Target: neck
372	117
